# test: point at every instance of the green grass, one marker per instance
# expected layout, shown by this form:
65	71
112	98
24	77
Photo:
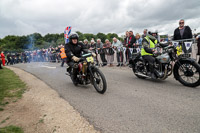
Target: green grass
11	129
11	87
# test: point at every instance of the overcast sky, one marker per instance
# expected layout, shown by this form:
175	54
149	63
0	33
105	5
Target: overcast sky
22	17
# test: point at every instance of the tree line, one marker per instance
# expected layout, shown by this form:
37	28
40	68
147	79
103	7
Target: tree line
37	41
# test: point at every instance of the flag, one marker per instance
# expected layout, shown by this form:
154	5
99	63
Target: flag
131	50
124	49
175	43
67	32
138	50
188	45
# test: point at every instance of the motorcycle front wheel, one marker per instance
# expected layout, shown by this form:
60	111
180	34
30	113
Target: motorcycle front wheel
187	73
99	81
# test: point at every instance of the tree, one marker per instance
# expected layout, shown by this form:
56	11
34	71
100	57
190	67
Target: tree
102	37
81	36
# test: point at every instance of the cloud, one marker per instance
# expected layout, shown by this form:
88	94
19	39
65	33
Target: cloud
22	17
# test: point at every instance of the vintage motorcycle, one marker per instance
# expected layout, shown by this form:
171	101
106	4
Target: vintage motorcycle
185	69
88	73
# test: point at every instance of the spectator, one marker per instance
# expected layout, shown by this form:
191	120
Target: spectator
93	49
144	33
99	46
0	62
131	44
182	32
126	39
138	40
3	58
119	48
109	52
9	59
198	46
85	42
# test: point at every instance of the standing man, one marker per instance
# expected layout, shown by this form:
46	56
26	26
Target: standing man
85	42
63	55
99	46
144	33
131	44
9	59
93	49
119	48
3	58
182	32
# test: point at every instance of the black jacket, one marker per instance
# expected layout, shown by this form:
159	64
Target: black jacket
131	41
75	50
186	35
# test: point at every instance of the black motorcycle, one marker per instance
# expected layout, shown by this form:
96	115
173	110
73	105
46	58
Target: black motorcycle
89	74
185	69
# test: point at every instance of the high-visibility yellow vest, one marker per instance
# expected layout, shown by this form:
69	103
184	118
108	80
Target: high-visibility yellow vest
62	54
179	50
152	45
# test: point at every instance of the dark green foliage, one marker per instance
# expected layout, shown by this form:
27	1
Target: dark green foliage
37	41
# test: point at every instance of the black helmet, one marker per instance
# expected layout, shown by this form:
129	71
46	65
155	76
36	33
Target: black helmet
153	32
73	36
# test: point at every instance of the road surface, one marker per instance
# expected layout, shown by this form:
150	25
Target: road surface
130	105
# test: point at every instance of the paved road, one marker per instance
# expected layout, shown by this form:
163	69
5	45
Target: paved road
130	105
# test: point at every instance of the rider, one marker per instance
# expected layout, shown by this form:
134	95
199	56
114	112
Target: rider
73	50
148	49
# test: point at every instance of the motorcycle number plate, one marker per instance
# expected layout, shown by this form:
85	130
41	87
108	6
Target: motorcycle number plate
90	59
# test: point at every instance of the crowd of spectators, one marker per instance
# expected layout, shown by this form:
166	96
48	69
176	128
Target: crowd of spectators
108	52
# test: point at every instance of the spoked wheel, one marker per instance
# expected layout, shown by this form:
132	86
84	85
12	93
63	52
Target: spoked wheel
99	81
188	74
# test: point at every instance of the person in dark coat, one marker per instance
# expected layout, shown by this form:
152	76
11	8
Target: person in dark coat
182	32
131	44
198	46
9	59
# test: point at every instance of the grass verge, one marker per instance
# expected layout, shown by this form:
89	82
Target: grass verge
11	89
11	129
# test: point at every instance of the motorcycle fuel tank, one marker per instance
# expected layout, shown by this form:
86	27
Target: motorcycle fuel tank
164	58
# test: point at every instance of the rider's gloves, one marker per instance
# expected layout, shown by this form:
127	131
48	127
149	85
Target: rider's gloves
94	55
76	59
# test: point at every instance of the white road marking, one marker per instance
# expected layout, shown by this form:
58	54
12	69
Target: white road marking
48	67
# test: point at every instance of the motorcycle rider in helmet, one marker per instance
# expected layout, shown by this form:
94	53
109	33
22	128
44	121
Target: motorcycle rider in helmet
73	50
148	49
